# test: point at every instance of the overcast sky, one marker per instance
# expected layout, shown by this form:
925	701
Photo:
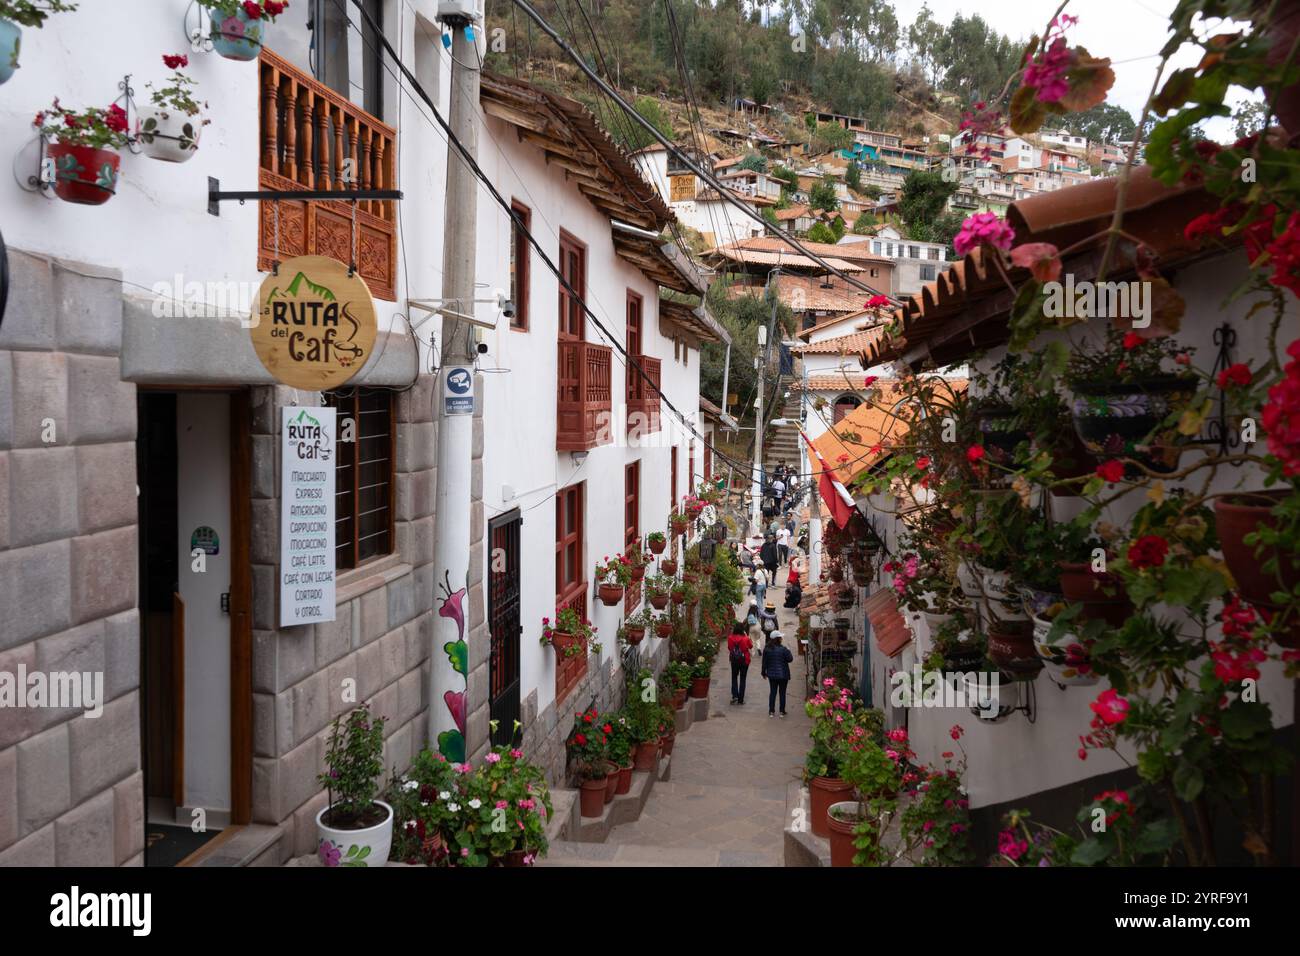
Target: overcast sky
1130	32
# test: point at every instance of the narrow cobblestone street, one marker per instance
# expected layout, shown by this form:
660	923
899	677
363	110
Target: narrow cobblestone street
725	803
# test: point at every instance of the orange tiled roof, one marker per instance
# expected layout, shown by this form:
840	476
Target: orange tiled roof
789	258
887	623
855	251
854	343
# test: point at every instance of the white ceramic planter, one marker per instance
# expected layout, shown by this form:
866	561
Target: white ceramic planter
169	135
1055	658
368	847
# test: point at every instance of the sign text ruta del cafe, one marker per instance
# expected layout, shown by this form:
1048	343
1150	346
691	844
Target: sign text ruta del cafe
316	328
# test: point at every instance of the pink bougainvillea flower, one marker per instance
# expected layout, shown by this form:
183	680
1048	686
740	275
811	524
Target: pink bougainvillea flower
1046	72
877	301
981	229
1042	259
1110	707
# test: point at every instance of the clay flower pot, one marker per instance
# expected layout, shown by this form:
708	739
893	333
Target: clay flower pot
84	174
700	687
646	755
679	528
659	601
624	780
657	547
592	797
1240	515
634	635
638	572
822	792
611	595
666	742
679	699
1011	647
668	566
841	831
665	629
611	783
679	597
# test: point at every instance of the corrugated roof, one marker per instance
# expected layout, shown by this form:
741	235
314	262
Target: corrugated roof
965	310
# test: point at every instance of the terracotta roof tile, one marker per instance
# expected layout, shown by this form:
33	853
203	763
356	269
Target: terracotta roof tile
887	622
856	251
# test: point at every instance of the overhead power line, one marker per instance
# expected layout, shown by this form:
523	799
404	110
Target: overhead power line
686	160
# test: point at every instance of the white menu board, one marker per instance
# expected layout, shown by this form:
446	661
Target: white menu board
308	450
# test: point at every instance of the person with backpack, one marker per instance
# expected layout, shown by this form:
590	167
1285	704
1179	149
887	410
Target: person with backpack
767	619
776	670
770	555
738	650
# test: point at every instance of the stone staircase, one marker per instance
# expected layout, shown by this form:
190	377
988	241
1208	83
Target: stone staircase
782	442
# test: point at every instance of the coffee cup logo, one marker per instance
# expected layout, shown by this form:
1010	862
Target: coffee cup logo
316	326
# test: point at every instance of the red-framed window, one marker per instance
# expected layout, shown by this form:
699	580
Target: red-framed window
573	269
672	486
690	470
520	265
570	578
632	527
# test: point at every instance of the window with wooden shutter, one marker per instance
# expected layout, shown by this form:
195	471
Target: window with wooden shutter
520	261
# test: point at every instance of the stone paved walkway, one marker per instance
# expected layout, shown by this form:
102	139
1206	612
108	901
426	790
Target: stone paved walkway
726	799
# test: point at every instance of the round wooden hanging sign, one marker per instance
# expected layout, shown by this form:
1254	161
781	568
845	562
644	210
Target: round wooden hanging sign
316	324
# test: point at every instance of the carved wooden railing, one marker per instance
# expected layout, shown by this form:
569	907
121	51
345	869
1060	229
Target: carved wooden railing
583	395
643	394
313	138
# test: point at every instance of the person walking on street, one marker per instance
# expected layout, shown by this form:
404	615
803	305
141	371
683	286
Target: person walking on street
770	555
783	544
739	647
767	620
760	585
776	669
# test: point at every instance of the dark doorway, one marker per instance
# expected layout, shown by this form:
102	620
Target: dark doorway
504	625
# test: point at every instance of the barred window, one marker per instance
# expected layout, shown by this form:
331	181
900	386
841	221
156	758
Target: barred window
363	475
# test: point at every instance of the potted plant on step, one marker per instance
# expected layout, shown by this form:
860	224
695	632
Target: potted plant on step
621	745
169	128
676	682
16	14
701	673
354	828
612	577
84	150
836	719
239	26
874	771
588	747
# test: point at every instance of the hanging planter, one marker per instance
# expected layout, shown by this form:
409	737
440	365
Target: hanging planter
1116	420
239	28
1067	661
85	155
611	595
668	566
657	542
1011	647
664	629
169	128
659	601
11	38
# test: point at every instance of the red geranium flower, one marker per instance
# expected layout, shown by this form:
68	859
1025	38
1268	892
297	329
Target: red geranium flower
580	739
1110	707
923	462
974	453
1238	374
1148	551
956	732
1112	471
1132	340
273	8
252	10
115	119
174	61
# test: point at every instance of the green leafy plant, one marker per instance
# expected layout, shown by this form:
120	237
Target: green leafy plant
354	763
569	622
32	13
94	127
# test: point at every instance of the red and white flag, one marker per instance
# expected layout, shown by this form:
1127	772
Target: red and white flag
833	492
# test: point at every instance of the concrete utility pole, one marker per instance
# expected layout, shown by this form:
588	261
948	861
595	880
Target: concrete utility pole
456	399
814	499
756	492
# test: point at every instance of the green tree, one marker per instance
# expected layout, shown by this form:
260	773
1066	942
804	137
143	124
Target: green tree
822	195
1104	123
821	232
853	176
864	224
631	135
753	162
923	202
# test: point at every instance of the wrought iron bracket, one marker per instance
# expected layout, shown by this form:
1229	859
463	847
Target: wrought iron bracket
1218	432
216	196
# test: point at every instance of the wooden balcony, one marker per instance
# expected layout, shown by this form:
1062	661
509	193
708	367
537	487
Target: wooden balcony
313	138
583	396
643	396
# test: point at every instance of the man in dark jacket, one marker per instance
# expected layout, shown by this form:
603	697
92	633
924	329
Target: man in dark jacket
770	555
776	668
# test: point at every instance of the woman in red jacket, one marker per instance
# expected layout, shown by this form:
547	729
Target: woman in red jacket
738	647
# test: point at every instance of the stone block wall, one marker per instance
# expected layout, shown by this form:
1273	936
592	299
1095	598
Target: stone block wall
71	786
380	639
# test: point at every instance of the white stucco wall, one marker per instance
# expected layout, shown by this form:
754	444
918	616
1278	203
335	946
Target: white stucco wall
157	226
521	466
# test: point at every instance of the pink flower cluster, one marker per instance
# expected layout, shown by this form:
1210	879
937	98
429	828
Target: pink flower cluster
1046	72
1238	656
1011	847
980	229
